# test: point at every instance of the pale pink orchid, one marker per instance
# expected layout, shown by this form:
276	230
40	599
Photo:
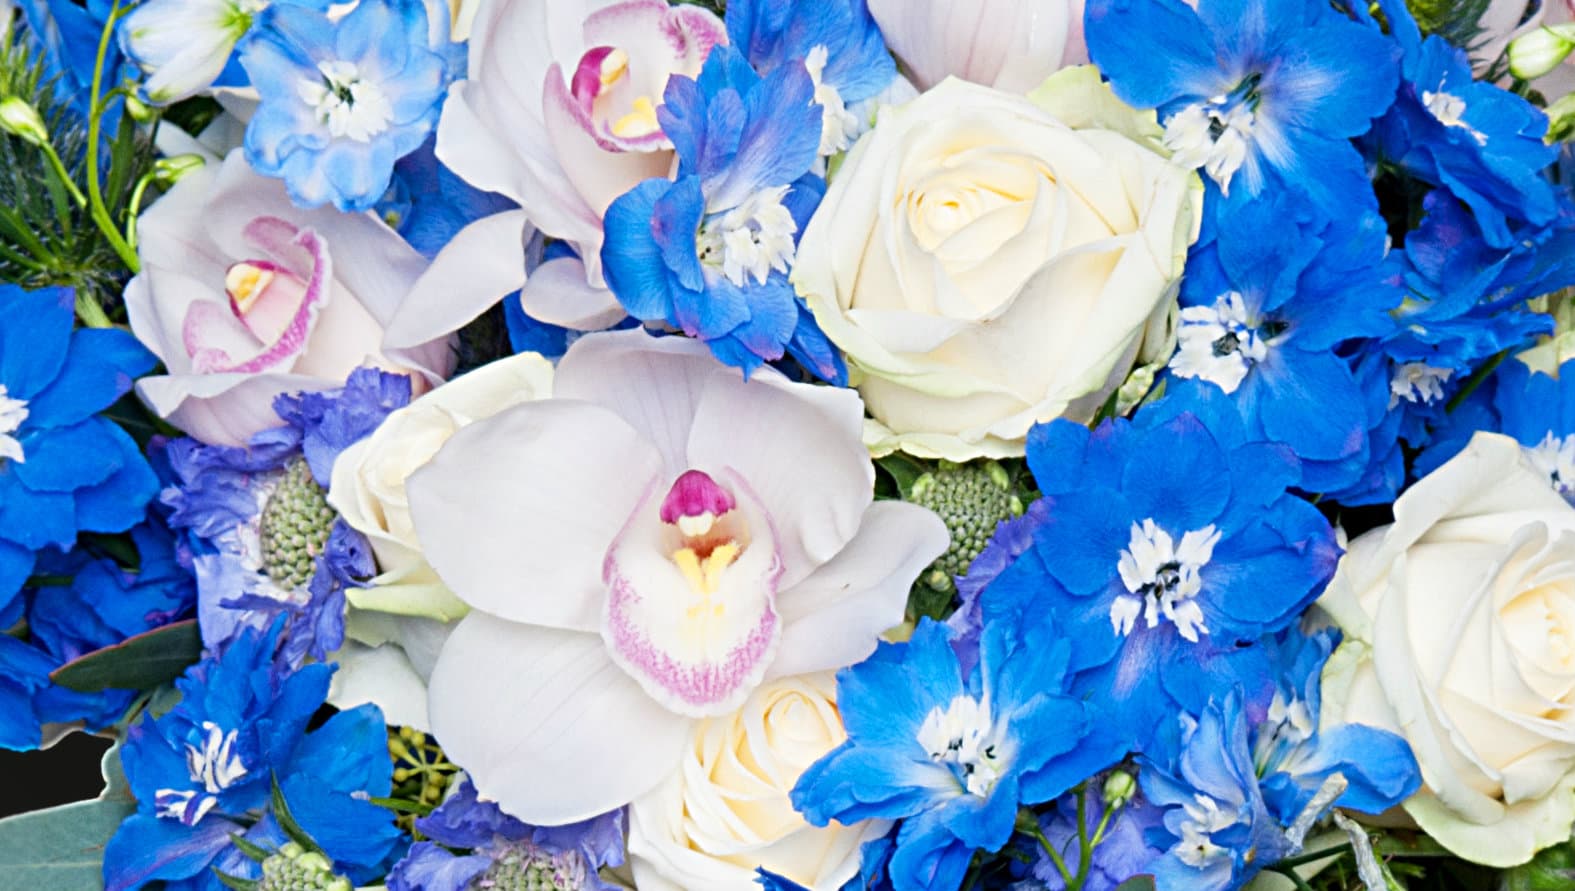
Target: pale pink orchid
244	296
642	550
559	114
1012	45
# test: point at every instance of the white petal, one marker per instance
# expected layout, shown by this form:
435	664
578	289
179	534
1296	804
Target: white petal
833	617
476	269
654	383
546	724
800	447
383	676
516	511
559	293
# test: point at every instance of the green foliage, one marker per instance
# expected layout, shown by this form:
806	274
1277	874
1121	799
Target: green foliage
62	848
1454	20
142	662
1551	870
46	236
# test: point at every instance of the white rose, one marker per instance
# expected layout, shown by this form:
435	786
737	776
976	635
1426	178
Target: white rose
368	485
726	812
989	261
1459	624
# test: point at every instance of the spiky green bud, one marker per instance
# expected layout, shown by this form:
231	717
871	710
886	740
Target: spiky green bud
295	524
293	868
971	499
524	867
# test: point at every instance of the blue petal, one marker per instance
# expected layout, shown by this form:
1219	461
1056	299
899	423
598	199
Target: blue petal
35	335
631	255
100	367
146	849
120	502
1153	51
70	458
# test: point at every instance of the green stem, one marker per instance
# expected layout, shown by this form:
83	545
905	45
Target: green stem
1055	856
1085	845
88	310
100	211
135	207
1476	380
62	174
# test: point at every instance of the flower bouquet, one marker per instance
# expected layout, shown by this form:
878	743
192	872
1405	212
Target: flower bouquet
790	444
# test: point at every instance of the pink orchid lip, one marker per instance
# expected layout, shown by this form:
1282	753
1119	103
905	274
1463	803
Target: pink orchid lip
717	577
303	268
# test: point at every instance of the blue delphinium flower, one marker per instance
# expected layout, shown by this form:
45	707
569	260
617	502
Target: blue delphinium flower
1262	95
953	754
1535	408
341	101
506	853
1167	548
837	42
207	768
1273	298
710	252
1217	831
102	606
63	469
1480	142
246	512
1466	302
1293	755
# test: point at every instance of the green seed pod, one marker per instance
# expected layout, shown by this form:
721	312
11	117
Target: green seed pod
294	526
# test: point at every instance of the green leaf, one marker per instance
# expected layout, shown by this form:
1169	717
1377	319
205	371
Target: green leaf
1551	870
286	821
137	663
62	848
1137	883
905	471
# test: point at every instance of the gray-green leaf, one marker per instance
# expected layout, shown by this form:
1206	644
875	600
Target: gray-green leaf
62	848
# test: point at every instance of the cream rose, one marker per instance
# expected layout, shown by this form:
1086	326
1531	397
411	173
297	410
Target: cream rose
726	812
989	261
1459	624
368	485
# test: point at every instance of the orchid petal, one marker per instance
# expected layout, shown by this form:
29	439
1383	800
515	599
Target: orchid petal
544	722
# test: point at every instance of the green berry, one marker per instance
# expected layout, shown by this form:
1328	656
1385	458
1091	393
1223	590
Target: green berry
295	524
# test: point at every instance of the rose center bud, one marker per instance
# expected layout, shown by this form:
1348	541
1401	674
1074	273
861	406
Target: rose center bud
606	92
710	534
264	296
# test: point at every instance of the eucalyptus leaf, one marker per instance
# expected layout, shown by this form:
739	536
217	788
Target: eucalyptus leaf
1137	883
137	663
62	848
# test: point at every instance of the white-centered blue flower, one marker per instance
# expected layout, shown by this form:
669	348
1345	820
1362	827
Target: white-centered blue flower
342	100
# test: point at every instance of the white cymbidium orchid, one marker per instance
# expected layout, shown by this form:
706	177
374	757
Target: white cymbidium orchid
643	550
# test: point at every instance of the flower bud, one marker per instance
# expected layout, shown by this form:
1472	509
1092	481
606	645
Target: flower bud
1538	52
140	111
19	118
1119	788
